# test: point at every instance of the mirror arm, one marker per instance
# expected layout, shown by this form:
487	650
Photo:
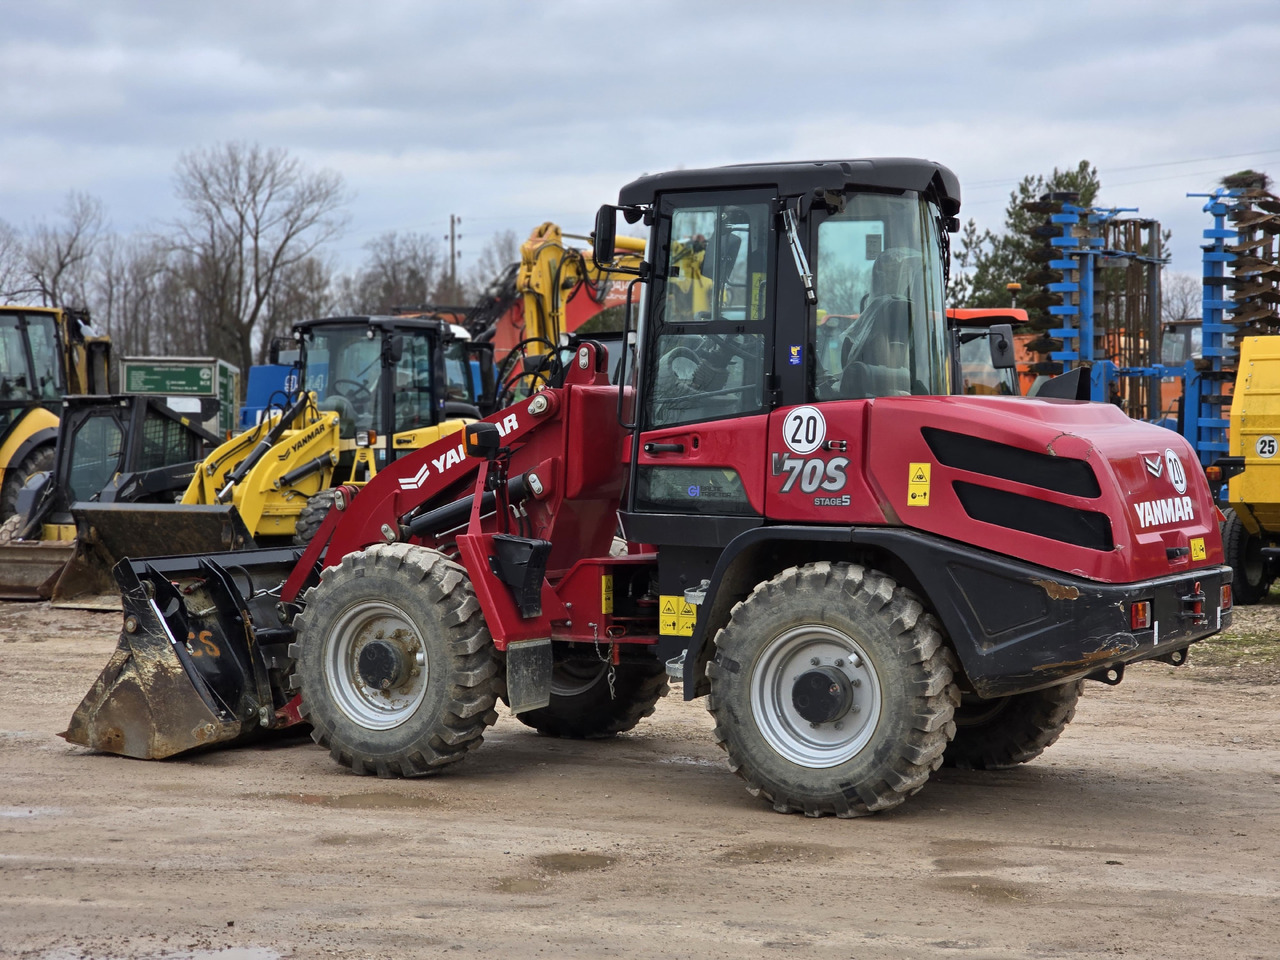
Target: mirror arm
797	253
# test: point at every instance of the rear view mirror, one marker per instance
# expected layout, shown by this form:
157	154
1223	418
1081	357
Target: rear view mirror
605	235
273	351
1000	339
395	349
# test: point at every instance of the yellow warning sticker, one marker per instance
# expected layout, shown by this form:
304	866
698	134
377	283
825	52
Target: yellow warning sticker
676	616
606	593
1197	548
918	484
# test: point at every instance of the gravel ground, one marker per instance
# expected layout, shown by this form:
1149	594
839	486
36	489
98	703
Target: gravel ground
1148	831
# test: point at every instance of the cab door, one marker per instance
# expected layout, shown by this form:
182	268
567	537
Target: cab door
699	464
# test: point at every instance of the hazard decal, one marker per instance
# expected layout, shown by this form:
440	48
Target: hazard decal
918	484
676	616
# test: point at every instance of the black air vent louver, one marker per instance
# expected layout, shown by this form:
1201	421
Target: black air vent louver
1060	474
1056	521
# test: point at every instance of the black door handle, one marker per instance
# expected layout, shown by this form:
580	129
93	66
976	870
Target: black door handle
664	448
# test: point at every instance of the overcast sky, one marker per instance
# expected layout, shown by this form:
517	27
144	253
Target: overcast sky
508	114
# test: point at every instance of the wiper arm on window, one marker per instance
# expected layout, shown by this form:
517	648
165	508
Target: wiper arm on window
797	253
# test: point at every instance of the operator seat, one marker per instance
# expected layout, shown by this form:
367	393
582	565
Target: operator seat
346	412
875	350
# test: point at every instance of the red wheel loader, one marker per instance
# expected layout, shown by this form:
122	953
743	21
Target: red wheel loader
866	577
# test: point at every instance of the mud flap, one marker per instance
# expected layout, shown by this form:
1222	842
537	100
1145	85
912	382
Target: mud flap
109	532
178	680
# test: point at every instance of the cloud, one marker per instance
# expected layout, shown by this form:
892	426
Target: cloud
510	113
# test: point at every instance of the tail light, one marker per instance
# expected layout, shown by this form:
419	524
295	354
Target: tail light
1224	596
1140	615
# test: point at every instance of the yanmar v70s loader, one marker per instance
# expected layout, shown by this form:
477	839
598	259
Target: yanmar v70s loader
865	576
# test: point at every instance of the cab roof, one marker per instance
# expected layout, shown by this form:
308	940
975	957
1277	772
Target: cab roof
801	177
383	323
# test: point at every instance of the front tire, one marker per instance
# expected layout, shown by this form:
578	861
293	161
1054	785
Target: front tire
39	460
583	707
832	691
396	667
1242	550
1004	732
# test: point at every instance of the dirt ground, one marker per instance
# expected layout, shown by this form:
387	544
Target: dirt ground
1151	830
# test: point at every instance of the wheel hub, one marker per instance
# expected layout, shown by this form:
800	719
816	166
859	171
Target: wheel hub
381	664
822	695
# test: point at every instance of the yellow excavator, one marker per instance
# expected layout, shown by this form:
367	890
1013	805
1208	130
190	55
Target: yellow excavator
558	290
368	389
46	353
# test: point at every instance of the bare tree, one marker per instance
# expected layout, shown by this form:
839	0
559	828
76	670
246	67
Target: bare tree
401	270
252	215
59	257
13	284
502	250
304	290
1180	296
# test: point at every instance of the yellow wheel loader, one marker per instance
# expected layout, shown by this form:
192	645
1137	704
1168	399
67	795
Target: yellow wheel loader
369	390
46	353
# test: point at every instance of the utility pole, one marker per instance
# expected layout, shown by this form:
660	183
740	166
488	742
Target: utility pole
453	238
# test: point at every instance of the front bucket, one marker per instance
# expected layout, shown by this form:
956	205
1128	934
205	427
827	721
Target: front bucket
109	532
168	687
29	569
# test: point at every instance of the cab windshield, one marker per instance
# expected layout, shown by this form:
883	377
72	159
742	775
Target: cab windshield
879	318
33	376
344	366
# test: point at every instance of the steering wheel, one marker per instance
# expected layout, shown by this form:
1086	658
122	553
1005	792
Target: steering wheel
359	395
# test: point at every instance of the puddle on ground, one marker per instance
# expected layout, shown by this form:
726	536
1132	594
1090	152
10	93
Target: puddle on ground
988	889
521	885
28	813
550	865
354	801
778	853
573	862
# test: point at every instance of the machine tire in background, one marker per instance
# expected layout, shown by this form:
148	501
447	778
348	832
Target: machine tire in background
1004	732
9	529
582	707
312	516
846	644
375	619
38	460
1242	551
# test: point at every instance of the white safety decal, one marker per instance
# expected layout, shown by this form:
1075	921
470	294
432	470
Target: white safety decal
1177	476
803	430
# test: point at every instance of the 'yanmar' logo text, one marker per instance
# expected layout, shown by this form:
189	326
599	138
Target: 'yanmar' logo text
452	457
1155	513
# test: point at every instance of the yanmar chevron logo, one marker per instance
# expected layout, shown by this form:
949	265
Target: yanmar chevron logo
451	458
417	480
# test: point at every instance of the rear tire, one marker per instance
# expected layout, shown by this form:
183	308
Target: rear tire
1004	732
409	615
1251	576
39	460
582	707
312	515
879	648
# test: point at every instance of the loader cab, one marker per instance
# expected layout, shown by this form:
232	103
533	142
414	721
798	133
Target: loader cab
387	377
30	372
820	287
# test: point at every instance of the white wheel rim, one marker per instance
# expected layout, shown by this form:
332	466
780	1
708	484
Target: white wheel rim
790	655
368	706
